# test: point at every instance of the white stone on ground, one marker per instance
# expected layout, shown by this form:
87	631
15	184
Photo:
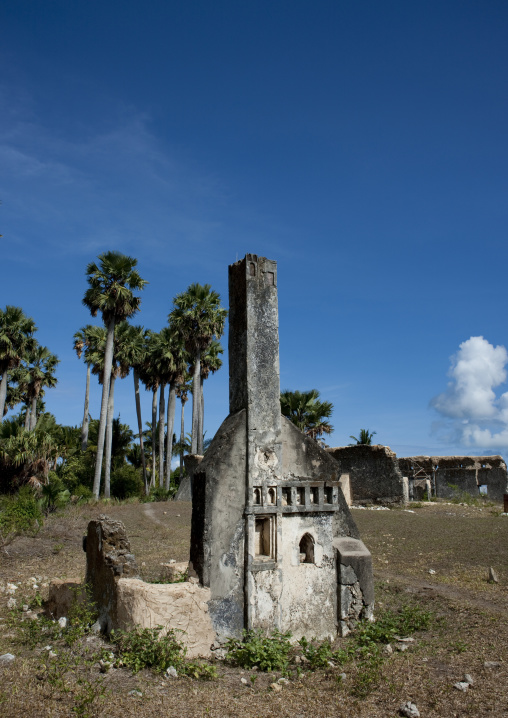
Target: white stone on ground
409	710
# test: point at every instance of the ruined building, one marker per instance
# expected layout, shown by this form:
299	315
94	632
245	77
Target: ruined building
373	474
447	476
272	536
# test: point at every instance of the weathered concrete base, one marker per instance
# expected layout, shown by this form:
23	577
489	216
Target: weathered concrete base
356	585
179	606
124	600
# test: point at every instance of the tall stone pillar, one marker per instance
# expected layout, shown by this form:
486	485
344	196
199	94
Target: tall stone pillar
254	376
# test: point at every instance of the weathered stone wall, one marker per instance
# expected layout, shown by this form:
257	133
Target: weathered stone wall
374	473
123	600
218	524
450	474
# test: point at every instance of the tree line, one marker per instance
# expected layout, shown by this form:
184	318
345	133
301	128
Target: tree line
172	364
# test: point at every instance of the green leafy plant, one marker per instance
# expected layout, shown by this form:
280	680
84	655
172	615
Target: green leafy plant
87	697
146	648
269	653
320	655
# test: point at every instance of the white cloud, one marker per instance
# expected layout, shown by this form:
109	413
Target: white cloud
477	416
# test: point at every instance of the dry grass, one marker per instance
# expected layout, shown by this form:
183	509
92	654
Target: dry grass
459	543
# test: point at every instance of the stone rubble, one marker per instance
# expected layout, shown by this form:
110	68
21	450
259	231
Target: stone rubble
409	710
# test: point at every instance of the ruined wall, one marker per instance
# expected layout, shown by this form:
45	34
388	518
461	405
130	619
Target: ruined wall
374	473
450	474
217	527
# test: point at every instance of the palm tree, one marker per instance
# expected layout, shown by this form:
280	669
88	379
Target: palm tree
306	412
210	363
40	370
171	363
16	339
182	392
149	376
81	339
136	354
95	354
111	287
198	317
364	438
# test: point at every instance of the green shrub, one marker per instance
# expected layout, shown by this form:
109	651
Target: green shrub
19	514
268	653
145	648
126	481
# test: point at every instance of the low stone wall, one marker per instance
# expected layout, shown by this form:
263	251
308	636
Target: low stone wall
450	475
123	600
374	474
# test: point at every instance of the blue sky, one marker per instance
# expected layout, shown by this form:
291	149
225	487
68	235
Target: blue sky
362	145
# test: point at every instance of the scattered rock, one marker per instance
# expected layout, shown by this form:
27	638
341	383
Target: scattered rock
11	588
171	672
461	686
402	647
47	648
25	608
283	681
136	694
492	664
298	659
62	622
388	649
193	580
275	687
493	576
409	639
244	681
11	603
342	676
468	679
6	658
51	654
409	710
104	666
96	627
431	571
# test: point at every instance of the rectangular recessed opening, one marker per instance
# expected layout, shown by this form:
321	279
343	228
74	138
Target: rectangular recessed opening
286	496
314	495
263	543
300	496
328	495
483	489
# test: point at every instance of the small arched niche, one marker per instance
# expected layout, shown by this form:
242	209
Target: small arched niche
307	549
272	495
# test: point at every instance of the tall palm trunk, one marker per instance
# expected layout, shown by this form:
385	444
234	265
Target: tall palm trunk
33	414
140	429
84	425
195	402
27	418
182	438
170	428
201	435
3	395
108	362
109	438
154	422
162	424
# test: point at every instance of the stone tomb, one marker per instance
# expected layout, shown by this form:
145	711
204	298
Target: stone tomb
272	535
